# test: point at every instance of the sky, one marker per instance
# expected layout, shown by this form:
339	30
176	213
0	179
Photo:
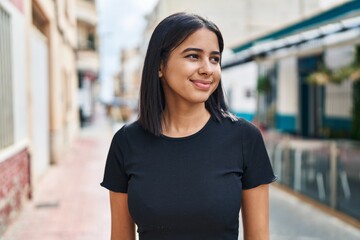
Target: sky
120	24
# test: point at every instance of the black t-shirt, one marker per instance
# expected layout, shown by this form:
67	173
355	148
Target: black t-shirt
187	188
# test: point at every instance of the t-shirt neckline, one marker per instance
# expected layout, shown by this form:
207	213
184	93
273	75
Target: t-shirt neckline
189	136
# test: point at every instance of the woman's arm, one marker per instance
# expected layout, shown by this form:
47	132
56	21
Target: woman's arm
255	213
122	225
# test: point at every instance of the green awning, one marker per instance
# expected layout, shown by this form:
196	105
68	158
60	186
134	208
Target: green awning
340	12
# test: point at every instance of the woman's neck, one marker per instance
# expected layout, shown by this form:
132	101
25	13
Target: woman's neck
185	121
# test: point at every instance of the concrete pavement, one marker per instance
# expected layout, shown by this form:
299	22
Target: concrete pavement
69	204
293	219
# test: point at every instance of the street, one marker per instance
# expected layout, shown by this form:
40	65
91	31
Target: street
70	204
290	218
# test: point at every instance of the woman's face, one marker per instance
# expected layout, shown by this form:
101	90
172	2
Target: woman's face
192	72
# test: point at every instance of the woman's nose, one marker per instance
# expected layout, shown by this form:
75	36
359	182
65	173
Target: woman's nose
206	68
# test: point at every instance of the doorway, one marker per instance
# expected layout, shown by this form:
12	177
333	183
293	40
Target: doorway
311	102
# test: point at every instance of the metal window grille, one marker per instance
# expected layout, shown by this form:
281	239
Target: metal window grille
6	102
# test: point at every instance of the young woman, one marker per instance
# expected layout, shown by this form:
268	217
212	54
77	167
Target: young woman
184	168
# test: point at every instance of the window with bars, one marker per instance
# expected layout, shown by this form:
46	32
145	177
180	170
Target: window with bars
6	102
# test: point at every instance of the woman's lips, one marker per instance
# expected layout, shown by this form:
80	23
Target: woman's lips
202	84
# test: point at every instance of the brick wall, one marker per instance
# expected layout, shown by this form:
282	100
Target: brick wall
14	187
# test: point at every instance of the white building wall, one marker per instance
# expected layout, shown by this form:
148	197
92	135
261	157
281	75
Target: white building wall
241	20
228	16
239	83
287	92
40	105
19	76
338	97
339	56
338	100
325	4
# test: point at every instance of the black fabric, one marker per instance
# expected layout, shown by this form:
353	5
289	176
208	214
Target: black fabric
187	188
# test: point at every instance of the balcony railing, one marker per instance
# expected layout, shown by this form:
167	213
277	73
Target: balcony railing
87	45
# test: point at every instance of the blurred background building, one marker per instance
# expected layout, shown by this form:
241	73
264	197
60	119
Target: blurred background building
39	69
87	58
127	84
323	38
300	83
239	20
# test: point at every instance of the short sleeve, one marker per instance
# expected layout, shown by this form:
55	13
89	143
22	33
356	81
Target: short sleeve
257	166
115	177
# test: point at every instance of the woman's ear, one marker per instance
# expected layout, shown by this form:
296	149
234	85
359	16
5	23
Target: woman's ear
161	71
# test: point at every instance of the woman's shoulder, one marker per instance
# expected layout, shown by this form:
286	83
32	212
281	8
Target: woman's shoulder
128	129
242	126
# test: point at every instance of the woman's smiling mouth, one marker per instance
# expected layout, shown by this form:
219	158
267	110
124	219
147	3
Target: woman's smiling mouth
202	84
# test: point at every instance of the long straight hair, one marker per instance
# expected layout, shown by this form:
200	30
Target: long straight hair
168	35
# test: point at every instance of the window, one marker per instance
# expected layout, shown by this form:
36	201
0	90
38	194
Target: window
6	103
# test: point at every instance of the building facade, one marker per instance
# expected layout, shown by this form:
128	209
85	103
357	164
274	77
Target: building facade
238	20
127	85
277	87
14	138
39	117
303	82
87	58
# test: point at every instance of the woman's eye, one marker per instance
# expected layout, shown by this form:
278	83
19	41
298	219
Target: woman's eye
215	59
192	56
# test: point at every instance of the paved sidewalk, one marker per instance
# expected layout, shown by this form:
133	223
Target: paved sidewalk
293	219
69	203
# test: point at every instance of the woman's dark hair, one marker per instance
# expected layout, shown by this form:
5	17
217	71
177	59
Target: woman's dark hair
168	35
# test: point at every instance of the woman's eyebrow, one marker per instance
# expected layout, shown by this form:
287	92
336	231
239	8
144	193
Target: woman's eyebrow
199	50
